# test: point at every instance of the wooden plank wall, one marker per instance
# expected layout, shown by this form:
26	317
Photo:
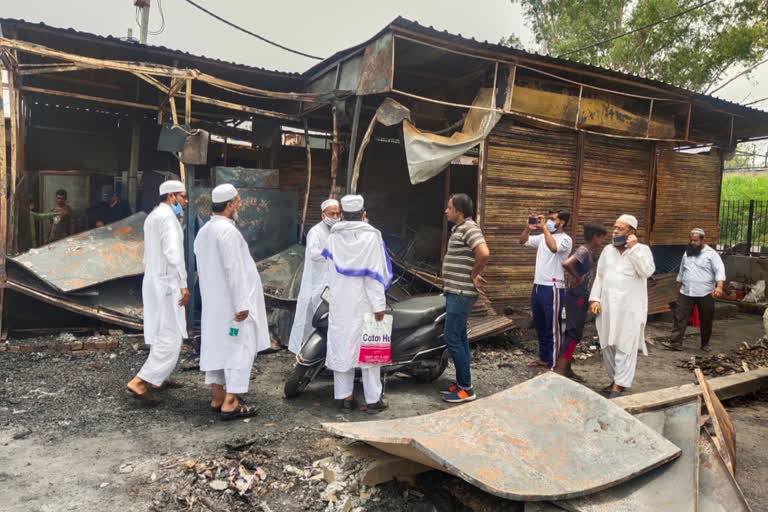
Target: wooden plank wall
528	170
615	181
293	176
687	196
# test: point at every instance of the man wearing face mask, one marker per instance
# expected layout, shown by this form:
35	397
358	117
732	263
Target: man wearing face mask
164	292
554	247
619	298
315	276
700	282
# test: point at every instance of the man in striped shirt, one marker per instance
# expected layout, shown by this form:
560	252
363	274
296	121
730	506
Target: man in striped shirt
464	260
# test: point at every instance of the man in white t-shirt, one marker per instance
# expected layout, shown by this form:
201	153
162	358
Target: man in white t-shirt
554	247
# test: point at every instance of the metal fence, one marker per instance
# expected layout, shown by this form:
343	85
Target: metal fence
744	226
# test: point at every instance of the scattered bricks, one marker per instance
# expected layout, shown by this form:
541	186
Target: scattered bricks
3	347
62	347
14	348
113	344
101	346
90	345
76	346
27	348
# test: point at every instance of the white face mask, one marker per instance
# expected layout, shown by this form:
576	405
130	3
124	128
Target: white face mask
330	222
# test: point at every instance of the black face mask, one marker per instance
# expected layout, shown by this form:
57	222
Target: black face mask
620	240
692	250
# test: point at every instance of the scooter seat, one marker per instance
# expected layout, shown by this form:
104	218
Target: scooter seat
417	311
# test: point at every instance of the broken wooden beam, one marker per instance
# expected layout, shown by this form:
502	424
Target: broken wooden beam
726	435
730	386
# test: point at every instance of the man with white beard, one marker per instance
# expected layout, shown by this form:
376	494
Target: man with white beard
234	318
164	292
360	275
619	298
316	274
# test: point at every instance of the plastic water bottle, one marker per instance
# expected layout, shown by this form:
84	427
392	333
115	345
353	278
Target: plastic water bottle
234	329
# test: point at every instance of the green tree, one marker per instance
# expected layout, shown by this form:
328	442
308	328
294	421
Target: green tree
695	50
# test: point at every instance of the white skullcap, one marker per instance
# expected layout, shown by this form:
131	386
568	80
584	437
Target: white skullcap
697	231
171	187
223	193
327	203
629	219
352	203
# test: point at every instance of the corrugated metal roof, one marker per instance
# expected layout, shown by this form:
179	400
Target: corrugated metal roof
138	46
415	26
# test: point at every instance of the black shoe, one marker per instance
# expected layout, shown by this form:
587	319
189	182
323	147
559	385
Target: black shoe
670	345
377	407
348	405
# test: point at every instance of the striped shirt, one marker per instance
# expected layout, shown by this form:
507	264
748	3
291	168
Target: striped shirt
460	258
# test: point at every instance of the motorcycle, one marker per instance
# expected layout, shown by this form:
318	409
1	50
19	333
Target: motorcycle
418	348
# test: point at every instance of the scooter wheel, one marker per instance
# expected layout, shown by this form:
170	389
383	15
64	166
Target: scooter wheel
298	381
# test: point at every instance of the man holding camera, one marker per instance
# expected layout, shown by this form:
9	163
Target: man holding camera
554	247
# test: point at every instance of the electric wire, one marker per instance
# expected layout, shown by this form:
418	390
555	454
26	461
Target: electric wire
649	25
257	36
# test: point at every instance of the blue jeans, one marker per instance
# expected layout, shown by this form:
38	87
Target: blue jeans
457	309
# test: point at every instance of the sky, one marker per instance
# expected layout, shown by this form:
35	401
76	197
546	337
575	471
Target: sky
314	27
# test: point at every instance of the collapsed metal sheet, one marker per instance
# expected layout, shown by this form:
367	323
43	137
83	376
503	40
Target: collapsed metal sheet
245	177
376	67
267	217
91	257
674	486
546	439
718	490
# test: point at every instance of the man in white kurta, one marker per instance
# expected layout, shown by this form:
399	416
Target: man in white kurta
164	291
316	274
619	297
360	274
234	318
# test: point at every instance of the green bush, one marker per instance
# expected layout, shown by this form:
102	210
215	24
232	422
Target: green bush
744	188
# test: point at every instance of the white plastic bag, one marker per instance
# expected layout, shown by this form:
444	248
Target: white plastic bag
376	345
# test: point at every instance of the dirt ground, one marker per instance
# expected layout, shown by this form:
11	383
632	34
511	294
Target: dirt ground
70	439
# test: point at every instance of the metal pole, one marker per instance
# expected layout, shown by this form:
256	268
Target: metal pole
749	226
144	22
353	143
191	222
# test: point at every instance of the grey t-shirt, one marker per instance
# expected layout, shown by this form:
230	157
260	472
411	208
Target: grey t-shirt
583	266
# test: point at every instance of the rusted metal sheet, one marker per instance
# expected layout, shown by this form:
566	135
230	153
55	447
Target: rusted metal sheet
681	177
546	439
89	258
718	490
116	302
527	171
662	290
674	486
376	67
244	177
267	217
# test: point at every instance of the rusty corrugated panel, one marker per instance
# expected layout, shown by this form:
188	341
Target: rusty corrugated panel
484	326
376	68
528	170
281	274
687	196
547	438
718	490
91	257
662	290
615	181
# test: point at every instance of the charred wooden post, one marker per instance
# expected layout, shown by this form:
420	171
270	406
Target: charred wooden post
334	152
353	144
309	179
580	142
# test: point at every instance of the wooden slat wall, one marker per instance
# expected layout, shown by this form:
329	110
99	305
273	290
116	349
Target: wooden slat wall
687	197
528	170
293	176
615	181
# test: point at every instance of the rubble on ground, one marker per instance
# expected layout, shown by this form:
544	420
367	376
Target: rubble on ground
748	356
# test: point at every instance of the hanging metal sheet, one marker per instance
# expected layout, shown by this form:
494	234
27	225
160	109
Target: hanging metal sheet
673	486
281	274
376	67
547	438
91	257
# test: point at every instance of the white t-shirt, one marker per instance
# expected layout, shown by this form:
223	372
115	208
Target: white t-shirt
549	265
